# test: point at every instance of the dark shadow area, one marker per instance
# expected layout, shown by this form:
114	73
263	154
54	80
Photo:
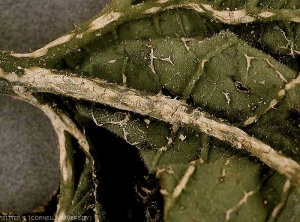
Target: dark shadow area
126	190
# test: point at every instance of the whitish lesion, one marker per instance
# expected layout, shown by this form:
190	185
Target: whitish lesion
108	20
227	97
170	198
230	17
159	107
62	124
285	192
242	201
152	10
43	51
163	149
280	96
104	20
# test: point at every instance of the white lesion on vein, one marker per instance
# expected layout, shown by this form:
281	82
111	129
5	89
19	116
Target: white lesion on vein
240	203
161	150
122	124
43	51
104	20
152	57
274	101
61	124
159	107
248	60
281	94
285	192
184	180
172	197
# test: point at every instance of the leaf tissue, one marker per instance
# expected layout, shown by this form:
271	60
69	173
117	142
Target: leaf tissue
206	93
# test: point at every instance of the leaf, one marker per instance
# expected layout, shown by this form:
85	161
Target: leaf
241	92
225	190
186	83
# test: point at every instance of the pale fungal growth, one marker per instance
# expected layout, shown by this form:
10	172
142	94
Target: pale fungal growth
248	59
43	51
167	59
79	36
65	164
162	1
147	121
182	137
159	107
227	96
152	10
292	84
240	203
152	57
184	180
185	40
296	19
61	124
112	61
253	119
281	76
171	198
230	17
285	192
104	20
266	14
274	102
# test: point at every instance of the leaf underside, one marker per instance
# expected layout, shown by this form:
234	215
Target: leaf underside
242	74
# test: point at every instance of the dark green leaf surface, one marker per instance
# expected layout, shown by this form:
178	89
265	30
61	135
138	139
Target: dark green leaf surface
216	191
224	76
241	67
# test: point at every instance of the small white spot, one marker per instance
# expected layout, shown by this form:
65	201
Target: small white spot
201	161
104	20
286	186
266	14
227	96
250	120
227	162
182	137
152	10
79	36
168	59
162	1
185	40
296	19
263	82
152	57
164	192
230	17
281	93
203	63
19	67
170	140
223	173
124	79
112	61
147	121
281	76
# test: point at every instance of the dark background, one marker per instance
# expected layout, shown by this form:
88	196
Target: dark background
29	158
